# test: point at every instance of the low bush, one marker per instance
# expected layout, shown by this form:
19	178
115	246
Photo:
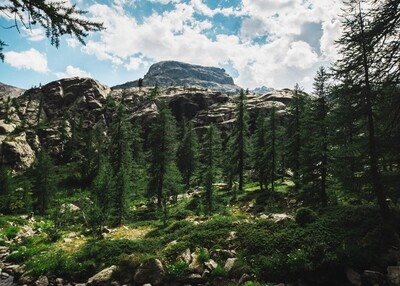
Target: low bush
177	270
203	255
305	216
11	232
218	272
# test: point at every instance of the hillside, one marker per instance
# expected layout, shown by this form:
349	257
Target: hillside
67	100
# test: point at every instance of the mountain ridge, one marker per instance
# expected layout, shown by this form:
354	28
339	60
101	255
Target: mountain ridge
175	73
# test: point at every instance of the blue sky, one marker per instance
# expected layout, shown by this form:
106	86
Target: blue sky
258	42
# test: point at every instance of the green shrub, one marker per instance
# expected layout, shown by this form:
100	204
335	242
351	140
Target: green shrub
177	270
305	216
181	214
11	232
203	255
56	263
109	252
219	271
172	251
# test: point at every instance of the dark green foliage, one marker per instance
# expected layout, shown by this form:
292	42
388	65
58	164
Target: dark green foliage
305	216
11	232
239	143
43	186
351	236
294	128
177	270
6	188
187	155
359	65
155	92
203	255
164	177
259	148
210	162
122	167
219	271
315	137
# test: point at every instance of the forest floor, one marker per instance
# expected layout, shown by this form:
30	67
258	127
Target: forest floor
261	237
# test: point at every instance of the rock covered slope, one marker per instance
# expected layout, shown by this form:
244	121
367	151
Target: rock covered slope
10	91
25	127
173	73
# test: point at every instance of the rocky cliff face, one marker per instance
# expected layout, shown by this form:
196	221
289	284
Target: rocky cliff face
172	73
11	91
36	117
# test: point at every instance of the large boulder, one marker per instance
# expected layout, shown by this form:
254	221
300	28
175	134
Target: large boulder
103	278
151	271
6	128
16	151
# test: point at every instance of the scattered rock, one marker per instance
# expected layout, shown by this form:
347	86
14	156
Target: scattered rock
194	278
230	262
6	128
196	266
393	275
26	279
42	281
186	256
69	208
245	278
103	277
151	271
211	264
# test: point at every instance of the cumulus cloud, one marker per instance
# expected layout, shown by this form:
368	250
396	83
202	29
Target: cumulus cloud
72	42
72	71
30	60
34	34
287	56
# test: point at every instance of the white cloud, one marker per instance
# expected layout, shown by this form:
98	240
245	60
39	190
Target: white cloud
136	63
34	34
286	57
30	60
72	71
300	55
72	42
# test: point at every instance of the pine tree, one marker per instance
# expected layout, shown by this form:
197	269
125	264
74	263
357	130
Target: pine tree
163	174
272	148
260	151
347	160
210	156
44	185
155	92
187	154
295	110
139	168
121	154
88	158
321	90
104	186
358	50
239	142
6	187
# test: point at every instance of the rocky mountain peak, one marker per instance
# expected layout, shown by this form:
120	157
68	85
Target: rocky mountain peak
174	73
